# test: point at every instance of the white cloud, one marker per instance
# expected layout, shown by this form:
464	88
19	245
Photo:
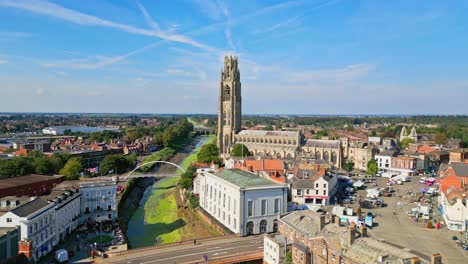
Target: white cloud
3	61
293	21
59	12
41	91
12	35
218	9
94	62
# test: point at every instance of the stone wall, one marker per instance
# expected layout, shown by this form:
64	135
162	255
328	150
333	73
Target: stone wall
212	222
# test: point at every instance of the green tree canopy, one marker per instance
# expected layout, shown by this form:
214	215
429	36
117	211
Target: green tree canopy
405	143
269	127
348	166
18	166
72	169
117	163
240	150
208	153
372	167
186	179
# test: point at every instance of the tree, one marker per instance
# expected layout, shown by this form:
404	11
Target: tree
208	153
348	166
117	163
72	169
269	127
404	144
56	162
440	138
239	150
43	166
372	167
186	179
18	166
279	126
373	133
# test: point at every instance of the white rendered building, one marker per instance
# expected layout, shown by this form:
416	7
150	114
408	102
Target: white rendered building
98	200
67	211
242	201
36	219
384	161
454	208
314	191
274	249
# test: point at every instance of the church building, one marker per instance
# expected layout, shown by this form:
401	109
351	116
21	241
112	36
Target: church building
278	144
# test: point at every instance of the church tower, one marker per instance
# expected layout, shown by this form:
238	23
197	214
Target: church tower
229	104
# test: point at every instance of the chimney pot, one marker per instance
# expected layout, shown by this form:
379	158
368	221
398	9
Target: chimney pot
436	258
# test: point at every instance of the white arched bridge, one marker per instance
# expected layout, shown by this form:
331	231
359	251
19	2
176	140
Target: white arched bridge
149	174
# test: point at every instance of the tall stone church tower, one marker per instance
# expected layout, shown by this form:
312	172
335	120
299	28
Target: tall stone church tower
229	104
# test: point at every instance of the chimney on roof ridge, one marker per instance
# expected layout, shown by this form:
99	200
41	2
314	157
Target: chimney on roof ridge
321	221
436	258
352	233
415	260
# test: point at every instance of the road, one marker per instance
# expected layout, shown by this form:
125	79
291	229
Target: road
187	252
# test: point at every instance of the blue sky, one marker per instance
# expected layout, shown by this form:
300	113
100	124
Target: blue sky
296	57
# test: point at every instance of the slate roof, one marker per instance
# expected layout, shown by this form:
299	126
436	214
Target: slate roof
322	143
308	183
29	208
291	134
303	184
305	221
24	180
461	169
244	179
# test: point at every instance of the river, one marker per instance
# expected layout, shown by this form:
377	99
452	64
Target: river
157	220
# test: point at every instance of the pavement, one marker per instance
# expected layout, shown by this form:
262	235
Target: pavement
399	230
188	252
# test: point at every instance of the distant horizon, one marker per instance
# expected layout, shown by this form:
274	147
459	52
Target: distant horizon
247	114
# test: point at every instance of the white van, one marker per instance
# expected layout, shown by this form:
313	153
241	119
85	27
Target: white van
61	256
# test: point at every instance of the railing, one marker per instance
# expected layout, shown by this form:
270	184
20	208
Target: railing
234	258
155	247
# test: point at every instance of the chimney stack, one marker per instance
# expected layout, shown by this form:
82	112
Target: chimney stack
363	230
352	233
25	247
436	258
332	218
415	260
321	221
337	220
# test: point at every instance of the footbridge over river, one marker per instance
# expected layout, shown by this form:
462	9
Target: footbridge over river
155	175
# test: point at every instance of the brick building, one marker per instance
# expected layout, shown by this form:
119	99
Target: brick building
315	239
403	165
458	155
32	185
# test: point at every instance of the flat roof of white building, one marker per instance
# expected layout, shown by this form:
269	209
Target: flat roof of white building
244	179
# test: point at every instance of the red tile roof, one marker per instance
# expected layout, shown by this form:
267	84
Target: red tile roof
265	165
